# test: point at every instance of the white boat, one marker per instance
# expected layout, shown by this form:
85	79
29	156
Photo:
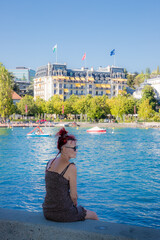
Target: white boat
62	125
96	130
38	133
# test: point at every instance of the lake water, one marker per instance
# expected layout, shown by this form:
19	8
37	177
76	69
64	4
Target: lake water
118	172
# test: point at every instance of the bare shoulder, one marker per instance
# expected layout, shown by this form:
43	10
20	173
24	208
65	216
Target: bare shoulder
72	170
73	167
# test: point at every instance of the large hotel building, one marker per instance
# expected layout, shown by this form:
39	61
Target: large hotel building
58	79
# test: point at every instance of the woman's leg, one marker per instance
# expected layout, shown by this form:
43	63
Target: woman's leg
91	215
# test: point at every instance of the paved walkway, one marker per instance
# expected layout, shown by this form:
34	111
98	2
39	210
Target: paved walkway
22	225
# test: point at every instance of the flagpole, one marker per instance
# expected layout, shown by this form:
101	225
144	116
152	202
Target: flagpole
114	61
56	54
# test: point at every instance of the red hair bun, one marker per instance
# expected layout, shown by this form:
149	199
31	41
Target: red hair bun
63	137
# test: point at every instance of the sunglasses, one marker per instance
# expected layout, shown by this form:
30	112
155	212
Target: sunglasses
74	148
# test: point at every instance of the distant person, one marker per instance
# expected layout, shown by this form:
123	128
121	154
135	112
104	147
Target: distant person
38	132
60	202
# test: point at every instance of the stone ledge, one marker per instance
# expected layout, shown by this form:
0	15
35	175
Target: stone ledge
22	225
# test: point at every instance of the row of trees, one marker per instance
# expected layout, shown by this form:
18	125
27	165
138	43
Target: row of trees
98	107
94	107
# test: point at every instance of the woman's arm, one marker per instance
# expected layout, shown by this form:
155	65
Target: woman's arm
73	183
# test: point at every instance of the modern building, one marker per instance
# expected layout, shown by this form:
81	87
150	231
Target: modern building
153	82
23	74
23	77
58	79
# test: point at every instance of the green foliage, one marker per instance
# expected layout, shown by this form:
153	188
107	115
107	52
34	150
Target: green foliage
97	107
139	79
148	93
6	103
148	71
156	117
54	105
121	105
71	105
131	79
40	103
31	106
145	110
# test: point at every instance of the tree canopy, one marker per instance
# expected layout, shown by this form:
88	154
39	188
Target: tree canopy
6	103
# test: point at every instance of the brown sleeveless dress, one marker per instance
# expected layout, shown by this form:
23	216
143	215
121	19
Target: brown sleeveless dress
58	205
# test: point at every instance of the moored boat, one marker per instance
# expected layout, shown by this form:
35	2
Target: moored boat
96	130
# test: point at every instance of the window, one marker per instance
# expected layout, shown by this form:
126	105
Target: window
64	85
71	86
90	86
60	91
55	91
60	85
90	92
71	92
102	93
76	92
96	92
55	85
82	92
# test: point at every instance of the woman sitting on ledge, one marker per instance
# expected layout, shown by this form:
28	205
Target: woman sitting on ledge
60	202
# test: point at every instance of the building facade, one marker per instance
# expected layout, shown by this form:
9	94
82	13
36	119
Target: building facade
23	74
153	82
23	77
57	79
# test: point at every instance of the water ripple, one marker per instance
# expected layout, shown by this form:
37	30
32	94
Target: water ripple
118	173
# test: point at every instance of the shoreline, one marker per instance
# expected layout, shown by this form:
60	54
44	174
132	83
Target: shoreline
85	125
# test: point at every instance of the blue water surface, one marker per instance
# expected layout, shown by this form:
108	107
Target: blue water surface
118	172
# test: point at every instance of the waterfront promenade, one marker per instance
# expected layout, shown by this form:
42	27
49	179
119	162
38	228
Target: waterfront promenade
18	225
85	124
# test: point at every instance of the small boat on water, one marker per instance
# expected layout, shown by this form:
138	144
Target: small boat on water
96	130
38	133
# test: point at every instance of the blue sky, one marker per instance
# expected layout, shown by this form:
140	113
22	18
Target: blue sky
29	30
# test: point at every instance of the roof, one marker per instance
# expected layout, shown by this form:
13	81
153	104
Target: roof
15	96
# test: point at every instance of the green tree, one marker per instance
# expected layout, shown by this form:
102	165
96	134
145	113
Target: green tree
31	106
98	107
130	80
139	79
41	105
117	106
70	105
148	93
6	103
145	110
30	89
148	71
54	105
129	104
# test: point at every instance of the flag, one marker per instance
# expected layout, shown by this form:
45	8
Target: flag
62	109
112	52
54	48
84	56
26	108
